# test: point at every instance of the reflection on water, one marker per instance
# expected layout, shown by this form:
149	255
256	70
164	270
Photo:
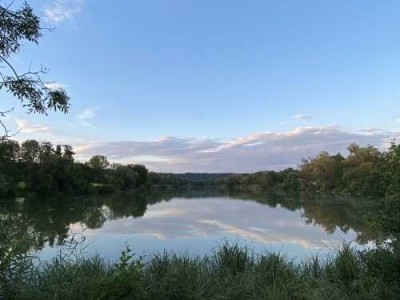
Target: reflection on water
189	221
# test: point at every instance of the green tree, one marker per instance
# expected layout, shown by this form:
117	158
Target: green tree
4	184
18	25
142	173
98	163
9	168
68	153
323	172
30	151
363	171
124	178
392	168
9	151
46	152
290	180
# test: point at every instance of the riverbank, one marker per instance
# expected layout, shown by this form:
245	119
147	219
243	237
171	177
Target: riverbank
230	272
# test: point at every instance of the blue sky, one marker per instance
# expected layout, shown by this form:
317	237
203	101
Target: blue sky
175	83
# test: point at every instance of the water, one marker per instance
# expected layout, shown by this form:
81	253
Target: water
189	222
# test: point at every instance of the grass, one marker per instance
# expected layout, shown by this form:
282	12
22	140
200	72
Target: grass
229	272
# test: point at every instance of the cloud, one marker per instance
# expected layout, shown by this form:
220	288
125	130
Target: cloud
193	219
372	130
86	116
71	124
54	86
253	152
62	10
25	127
303	117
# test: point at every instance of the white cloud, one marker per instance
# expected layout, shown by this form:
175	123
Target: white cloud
253	152
71	124
86	116
189	218
62	10
303	117
25	127
54	86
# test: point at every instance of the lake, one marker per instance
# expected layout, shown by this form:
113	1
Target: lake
191	222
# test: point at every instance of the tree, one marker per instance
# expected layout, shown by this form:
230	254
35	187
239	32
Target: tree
46	152
68	153
127	177
323	172
30	151
35	94
8	151
363	172
98	163
142	173
124	178
392	168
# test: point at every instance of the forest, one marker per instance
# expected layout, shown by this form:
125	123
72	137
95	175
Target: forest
365	171
46	168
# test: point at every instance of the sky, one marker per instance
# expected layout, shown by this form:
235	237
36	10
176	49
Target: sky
216	86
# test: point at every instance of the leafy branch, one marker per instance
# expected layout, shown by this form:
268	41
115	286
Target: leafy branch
34	93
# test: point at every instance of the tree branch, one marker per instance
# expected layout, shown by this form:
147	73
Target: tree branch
10	66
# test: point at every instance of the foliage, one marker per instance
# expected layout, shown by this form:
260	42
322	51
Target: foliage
98	165
230	272
45	168
365	171
15	262
18	25
286	180
192	180
98	162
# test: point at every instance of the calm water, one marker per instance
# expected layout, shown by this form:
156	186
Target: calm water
193	222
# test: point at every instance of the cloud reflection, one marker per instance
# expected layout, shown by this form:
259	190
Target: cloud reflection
219	218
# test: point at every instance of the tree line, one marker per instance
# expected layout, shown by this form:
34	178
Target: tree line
365	171
46	168
42	167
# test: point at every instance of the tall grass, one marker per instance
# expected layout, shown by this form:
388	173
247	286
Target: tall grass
229	272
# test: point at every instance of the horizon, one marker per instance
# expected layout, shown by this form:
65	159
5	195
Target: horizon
205	87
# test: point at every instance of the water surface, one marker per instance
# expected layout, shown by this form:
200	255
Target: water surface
192	222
